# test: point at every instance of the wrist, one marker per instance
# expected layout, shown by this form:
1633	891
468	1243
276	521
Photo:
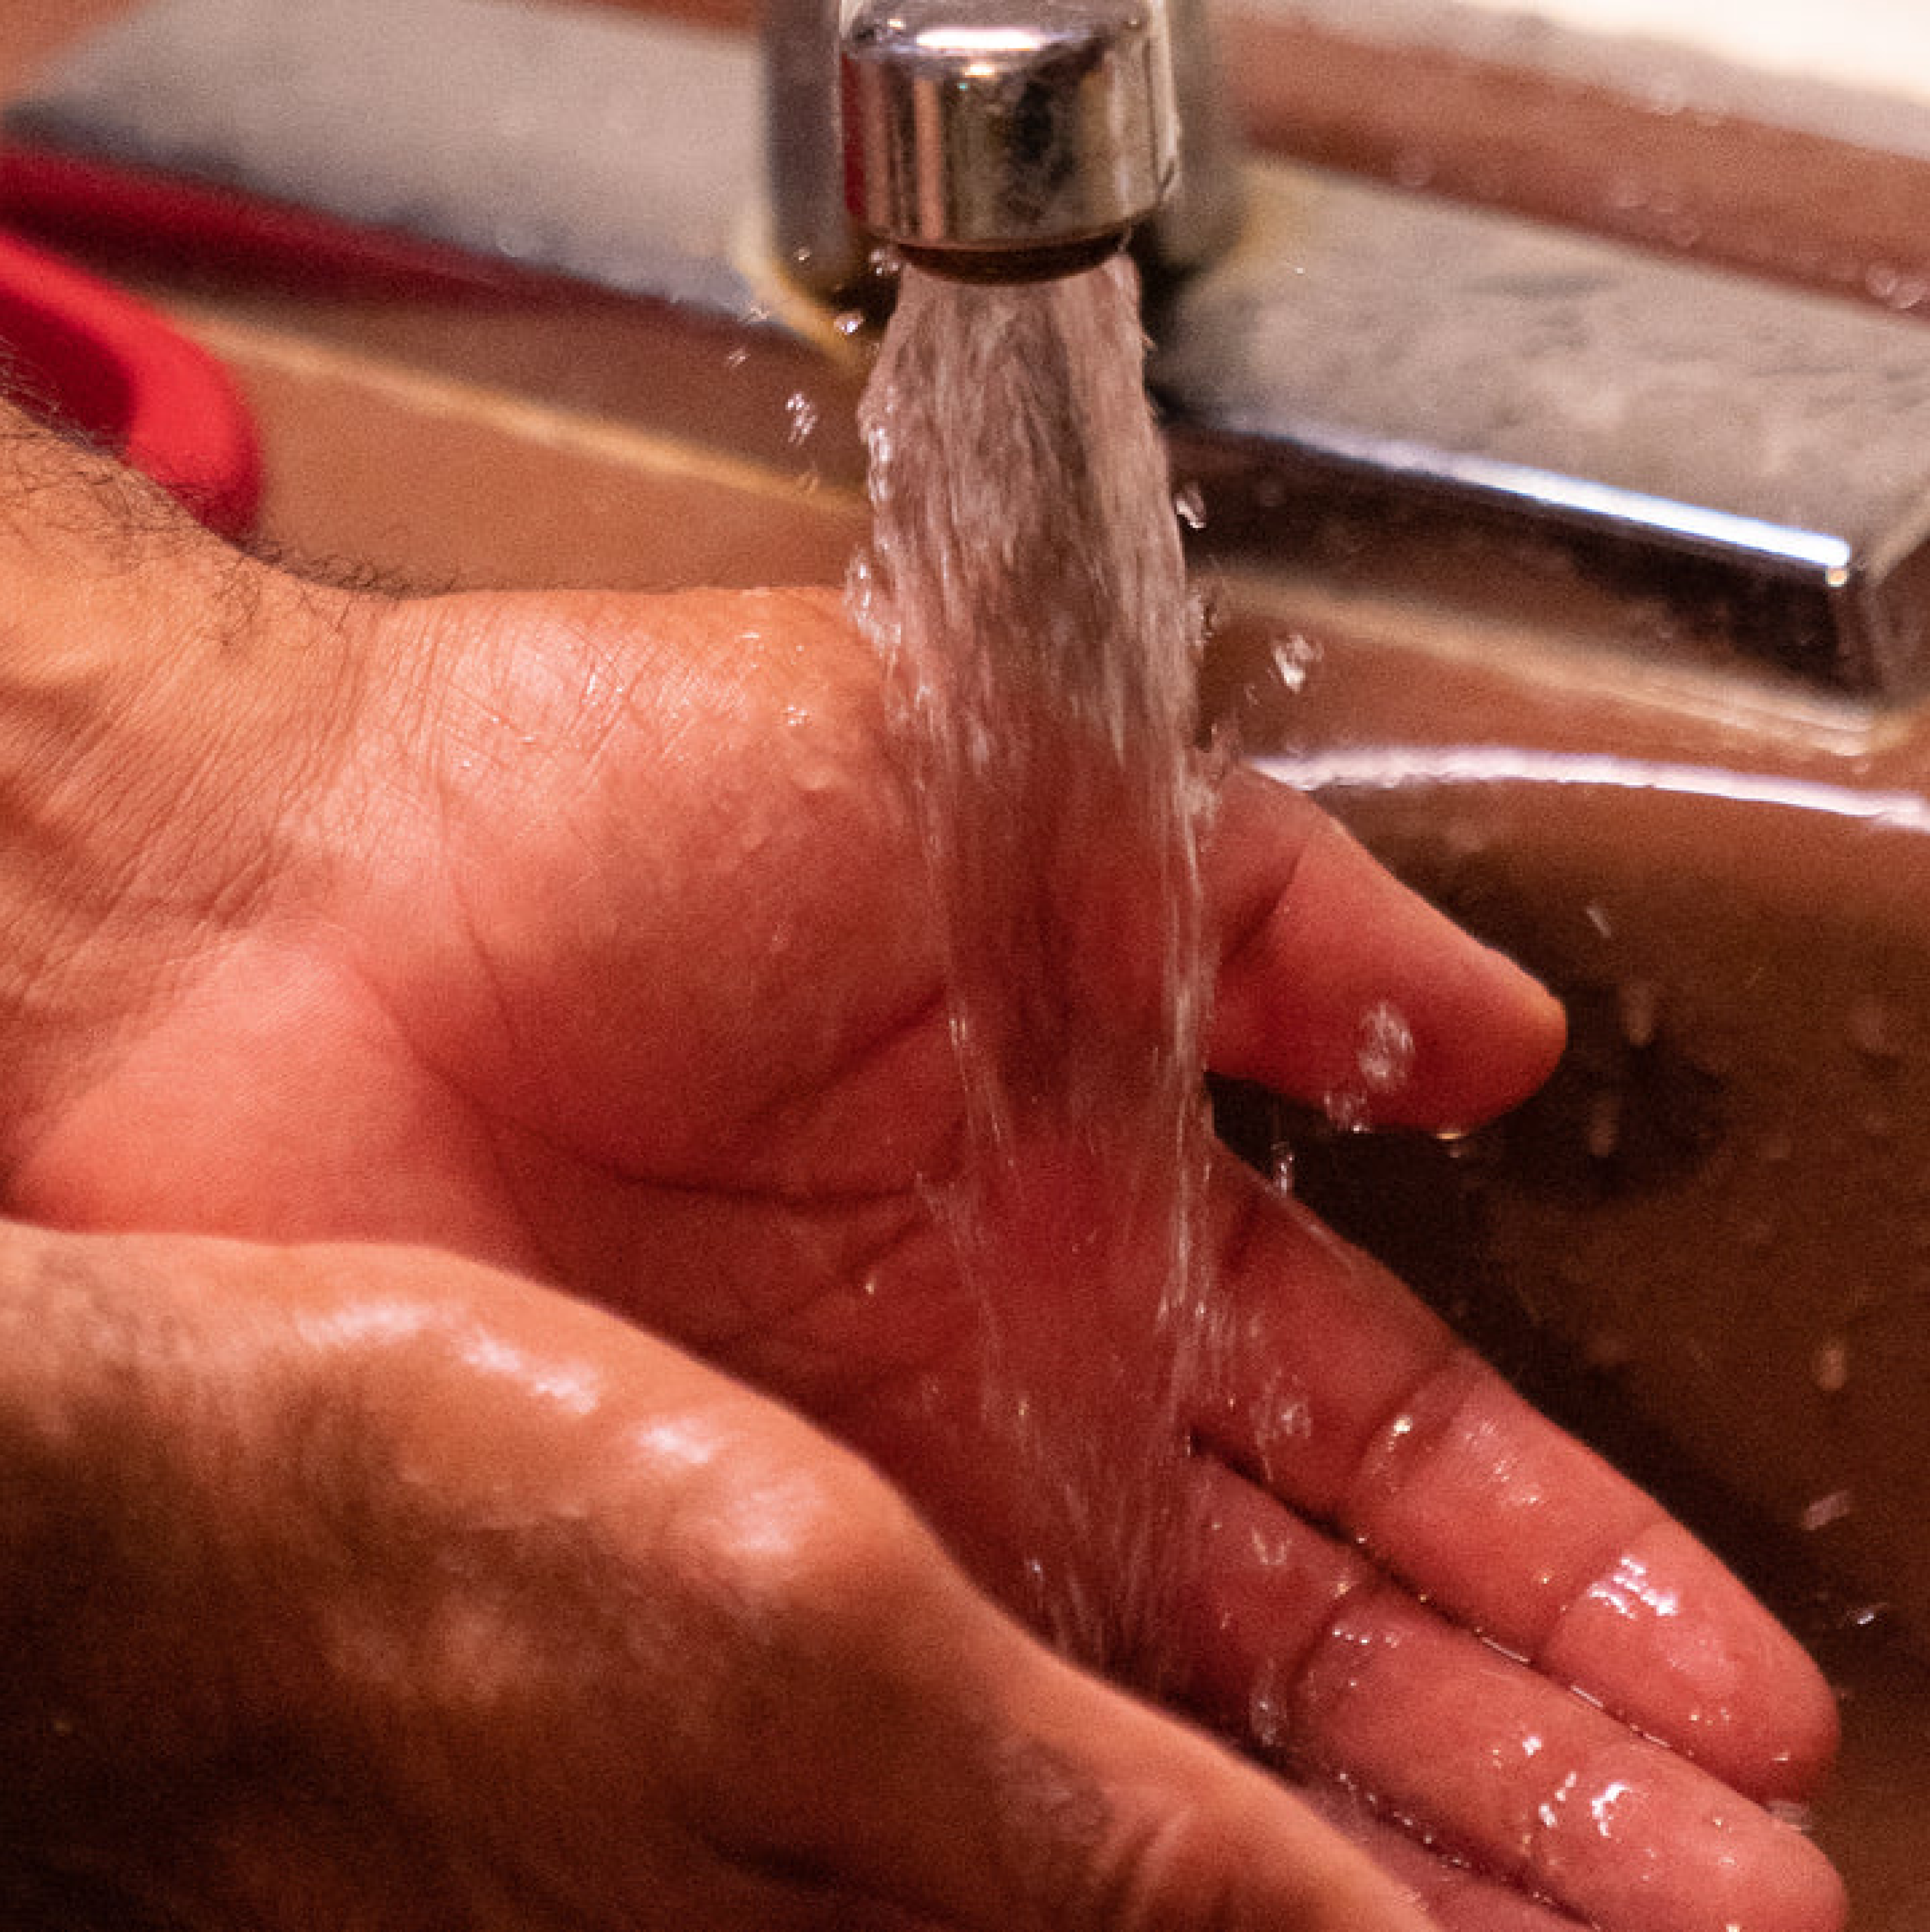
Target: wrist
158	689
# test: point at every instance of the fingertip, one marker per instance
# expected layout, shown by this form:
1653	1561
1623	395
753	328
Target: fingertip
1670	1638
1496	1033
1342	986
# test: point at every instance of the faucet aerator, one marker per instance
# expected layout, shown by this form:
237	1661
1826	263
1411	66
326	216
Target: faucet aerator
1006	145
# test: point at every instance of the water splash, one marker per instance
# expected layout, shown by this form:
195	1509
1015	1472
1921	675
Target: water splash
1026	587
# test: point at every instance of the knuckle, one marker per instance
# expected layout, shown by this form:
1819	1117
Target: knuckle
1153	1878
811	1561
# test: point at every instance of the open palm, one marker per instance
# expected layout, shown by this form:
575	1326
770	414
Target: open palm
588	937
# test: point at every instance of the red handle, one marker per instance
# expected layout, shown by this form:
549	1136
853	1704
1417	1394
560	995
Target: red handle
90	355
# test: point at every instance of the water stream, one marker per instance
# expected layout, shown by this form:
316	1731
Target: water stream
1026	586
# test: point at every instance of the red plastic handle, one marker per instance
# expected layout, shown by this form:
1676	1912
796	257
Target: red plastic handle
90	355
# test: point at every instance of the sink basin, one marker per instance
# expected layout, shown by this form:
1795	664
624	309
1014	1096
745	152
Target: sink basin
1716	1219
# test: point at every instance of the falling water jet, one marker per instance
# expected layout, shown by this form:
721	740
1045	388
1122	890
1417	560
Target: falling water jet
1026	587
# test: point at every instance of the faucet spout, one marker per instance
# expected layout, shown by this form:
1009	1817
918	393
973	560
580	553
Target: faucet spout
1008	141
1002	138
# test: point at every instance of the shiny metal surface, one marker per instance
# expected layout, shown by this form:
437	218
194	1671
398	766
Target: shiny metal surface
1416	399
820	247
1002	141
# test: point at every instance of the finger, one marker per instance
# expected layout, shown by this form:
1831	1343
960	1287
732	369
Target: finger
1510	1778
1551	1793
1343	1397
1338	984
1458	1898
1035	1795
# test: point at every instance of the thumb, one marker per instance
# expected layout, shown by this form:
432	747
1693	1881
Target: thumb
1008	1790
1107	1814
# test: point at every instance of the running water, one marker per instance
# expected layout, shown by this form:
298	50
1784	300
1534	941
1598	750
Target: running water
1026	586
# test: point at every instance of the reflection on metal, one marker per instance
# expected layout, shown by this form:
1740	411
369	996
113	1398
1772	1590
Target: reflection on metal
815	240
1466	406
1396	767
1001	143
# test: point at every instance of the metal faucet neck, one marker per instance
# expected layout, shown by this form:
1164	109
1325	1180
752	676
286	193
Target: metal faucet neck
1082	71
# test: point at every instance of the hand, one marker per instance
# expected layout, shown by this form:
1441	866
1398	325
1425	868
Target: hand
585	936
370	1587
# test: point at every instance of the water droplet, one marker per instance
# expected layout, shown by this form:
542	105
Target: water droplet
1631	1592
1268	1717
1550	1809
1384	1049
1639	1003
1294	658
1281	1166
1603	1806
1829	1365
801	416
1282	1422
1598	916
1826	1509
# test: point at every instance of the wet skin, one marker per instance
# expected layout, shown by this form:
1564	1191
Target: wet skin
585	937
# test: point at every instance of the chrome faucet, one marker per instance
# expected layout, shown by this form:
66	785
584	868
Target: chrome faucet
1005	146
1399	396
1009	137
